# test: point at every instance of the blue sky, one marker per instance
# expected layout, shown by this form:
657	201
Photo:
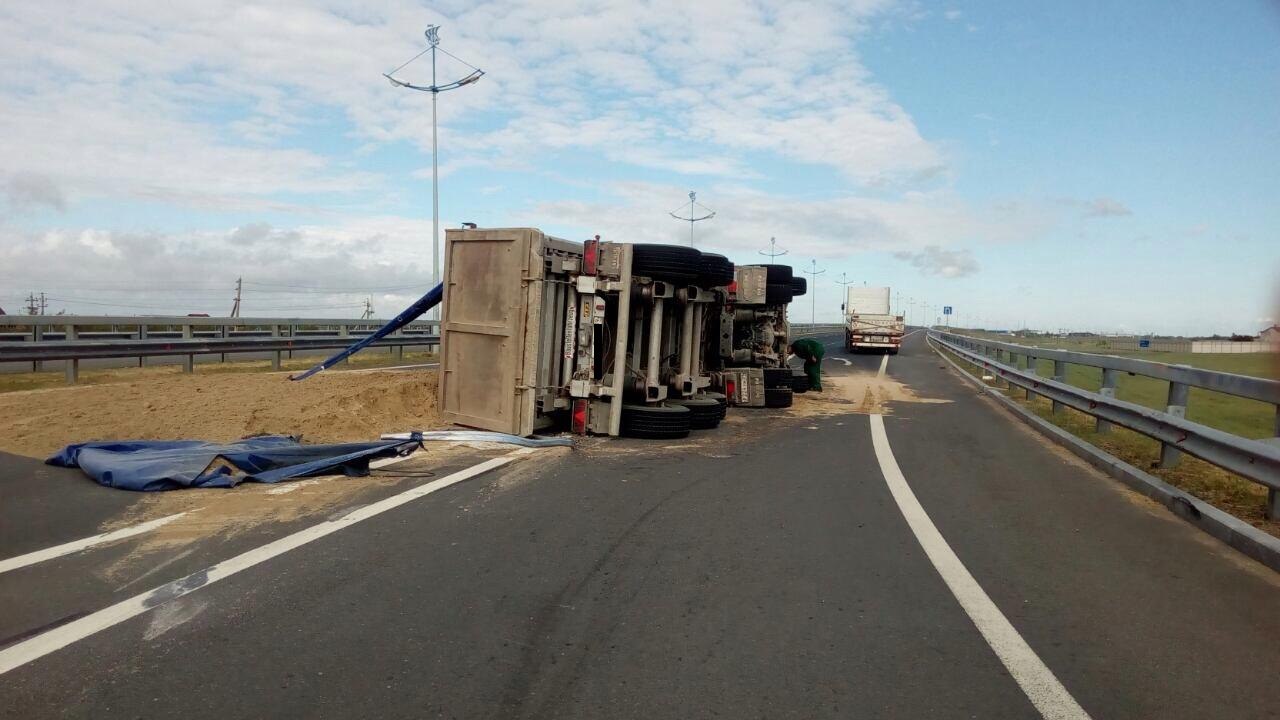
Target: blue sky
1103	166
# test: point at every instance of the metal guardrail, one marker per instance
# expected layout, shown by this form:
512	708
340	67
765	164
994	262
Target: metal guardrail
1256	460
276	335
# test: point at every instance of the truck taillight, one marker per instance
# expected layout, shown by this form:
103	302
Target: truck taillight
730	389
590	255
579	421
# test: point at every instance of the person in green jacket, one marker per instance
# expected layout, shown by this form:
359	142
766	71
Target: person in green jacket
811	352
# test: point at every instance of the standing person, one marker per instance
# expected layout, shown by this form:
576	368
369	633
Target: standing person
811	352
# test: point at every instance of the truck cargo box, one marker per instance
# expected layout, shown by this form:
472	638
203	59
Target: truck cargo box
866	300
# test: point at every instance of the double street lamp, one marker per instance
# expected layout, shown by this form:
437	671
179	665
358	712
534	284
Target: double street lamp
433	40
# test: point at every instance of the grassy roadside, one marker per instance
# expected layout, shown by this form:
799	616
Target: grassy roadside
1239	416
1232	493
375	358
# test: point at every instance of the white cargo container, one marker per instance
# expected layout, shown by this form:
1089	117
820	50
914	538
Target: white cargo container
869	320
866	300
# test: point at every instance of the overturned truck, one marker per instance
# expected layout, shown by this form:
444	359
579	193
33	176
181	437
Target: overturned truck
653	341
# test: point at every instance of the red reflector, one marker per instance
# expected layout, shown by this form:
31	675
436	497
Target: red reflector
579	422
590	254
730	388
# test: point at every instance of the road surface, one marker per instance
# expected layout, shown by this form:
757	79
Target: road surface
936	561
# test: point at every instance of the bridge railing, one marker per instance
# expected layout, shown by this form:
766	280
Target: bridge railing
1256	460
807	330
72	338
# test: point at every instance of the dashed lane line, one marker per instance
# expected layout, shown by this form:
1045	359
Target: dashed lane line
16	656
1042	688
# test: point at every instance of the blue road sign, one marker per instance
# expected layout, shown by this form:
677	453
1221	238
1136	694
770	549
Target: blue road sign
946	309
1144	342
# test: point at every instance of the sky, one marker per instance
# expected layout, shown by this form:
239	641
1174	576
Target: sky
1086	166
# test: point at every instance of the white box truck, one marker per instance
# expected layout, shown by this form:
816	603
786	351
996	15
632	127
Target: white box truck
869	321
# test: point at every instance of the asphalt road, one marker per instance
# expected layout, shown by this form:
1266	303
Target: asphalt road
762	569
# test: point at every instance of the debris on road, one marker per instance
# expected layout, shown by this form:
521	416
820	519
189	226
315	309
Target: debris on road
864	393
332	407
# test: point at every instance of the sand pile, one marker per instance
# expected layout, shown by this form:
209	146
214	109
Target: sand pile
330	407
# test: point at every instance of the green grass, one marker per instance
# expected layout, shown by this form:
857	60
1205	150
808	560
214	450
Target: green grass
1236	415
376	357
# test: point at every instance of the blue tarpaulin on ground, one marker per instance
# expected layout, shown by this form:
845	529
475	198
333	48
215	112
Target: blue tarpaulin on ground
149	465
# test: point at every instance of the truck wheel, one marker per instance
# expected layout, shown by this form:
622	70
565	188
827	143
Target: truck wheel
718	397
777	377
800	383
714	271
777	293
656	422
704	412
674	263
777	397
799	286
778	273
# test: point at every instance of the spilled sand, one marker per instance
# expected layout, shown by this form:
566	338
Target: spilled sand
330	407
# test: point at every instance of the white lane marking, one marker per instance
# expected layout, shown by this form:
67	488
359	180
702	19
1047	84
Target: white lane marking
884	363
37	647
913	332
843	360
75	546
1032	675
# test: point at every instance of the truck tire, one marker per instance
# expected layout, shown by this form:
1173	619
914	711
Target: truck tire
777	293
778	273
777	377
673	263
704	413
714	271
718	397
656	422
777	397
800	383
799	286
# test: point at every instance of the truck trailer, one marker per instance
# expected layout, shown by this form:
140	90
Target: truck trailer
869	321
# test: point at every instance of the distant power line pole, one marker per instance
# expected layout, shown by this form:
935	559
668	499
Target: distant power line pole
368	309
813	290
693	214
235	308
773	252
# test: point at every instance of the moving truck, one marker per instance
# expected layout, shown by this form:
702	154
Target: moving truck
870	322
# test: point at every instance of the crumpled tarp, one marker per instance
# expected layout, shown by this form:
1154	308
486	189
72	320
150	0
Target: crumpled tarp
149	465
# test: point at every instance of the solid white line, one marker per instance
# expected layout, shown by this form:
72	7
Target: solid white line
74	546
913	332
1032	675
37	647
884	363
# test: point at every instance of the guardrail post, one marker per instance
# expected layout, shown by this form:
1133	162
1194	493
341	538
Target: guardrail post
1000	382
1177	406
189	363
399	349
1059	374
1032	369
293	332
222	357
344	331
142	335
37	334
275	356
1108	389
72	365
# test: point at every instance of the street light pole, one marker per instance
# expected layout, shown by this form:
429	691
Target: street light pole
433	40
813	291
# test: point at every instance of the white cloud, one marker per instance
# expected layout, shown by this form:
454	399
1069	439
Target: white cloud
206	103
1106	207
933	260
833	228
